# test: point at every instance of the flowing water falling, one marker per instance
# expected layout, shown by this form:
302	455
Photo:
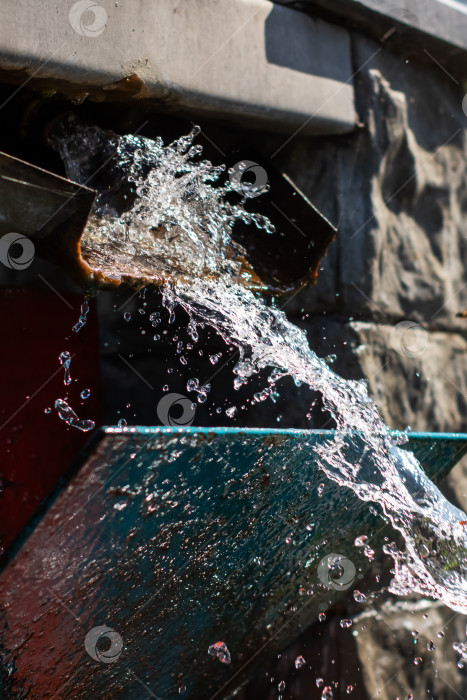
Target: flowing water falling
162	218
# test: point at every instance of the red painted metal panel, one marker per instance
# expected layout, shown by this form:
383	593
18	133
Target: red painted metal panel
37	448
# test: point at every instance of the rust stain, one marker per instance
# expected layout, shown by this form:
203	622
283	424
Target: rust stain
274	440
131	86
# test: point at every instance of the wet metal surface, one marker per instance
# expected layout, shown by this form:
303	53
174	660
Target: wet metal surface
48	209
167	541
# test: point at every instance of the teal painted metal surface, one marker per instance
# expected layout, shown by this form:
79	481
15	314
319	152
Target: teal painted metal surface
176	539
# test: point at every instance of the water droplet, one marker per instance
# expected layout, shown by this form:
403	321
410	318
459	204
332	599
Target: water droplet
358	596
239	382
281	686
165	387
440	634
47	410
82	318
65	361
299	662
461	649
85	394
230	412
67	414
122	423
127	316
360	541
319	682
327	693
418	660
349	689
346	623
430	645
322	617
220	650
192	384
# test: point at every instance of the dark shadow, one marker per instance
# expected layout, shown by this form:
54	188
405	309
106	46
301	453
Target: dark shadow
296	41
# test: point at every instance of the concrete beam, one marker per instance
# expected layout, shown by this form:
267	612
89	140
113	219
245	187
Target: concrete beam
241	59
417	27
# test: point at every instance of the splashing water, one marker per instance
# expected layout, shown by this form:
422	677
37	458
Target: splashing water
159	215
65	361
66	413
461	648
174	227
300	662
219	649
82	317
385	474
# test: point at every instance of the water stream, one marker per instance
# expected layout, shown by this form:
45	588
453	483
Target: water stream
162	215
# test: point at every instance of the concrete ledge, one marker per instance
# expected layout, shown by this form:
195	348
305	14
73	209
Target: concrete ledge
416	27
240	58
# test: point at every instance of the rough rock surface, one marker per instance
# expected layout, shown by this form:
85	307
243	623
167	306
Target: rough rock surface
418	378
401	637
398	191
386	653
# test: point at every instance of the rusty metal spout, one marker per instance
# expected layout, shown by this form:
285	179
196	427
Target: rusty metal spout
53	212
